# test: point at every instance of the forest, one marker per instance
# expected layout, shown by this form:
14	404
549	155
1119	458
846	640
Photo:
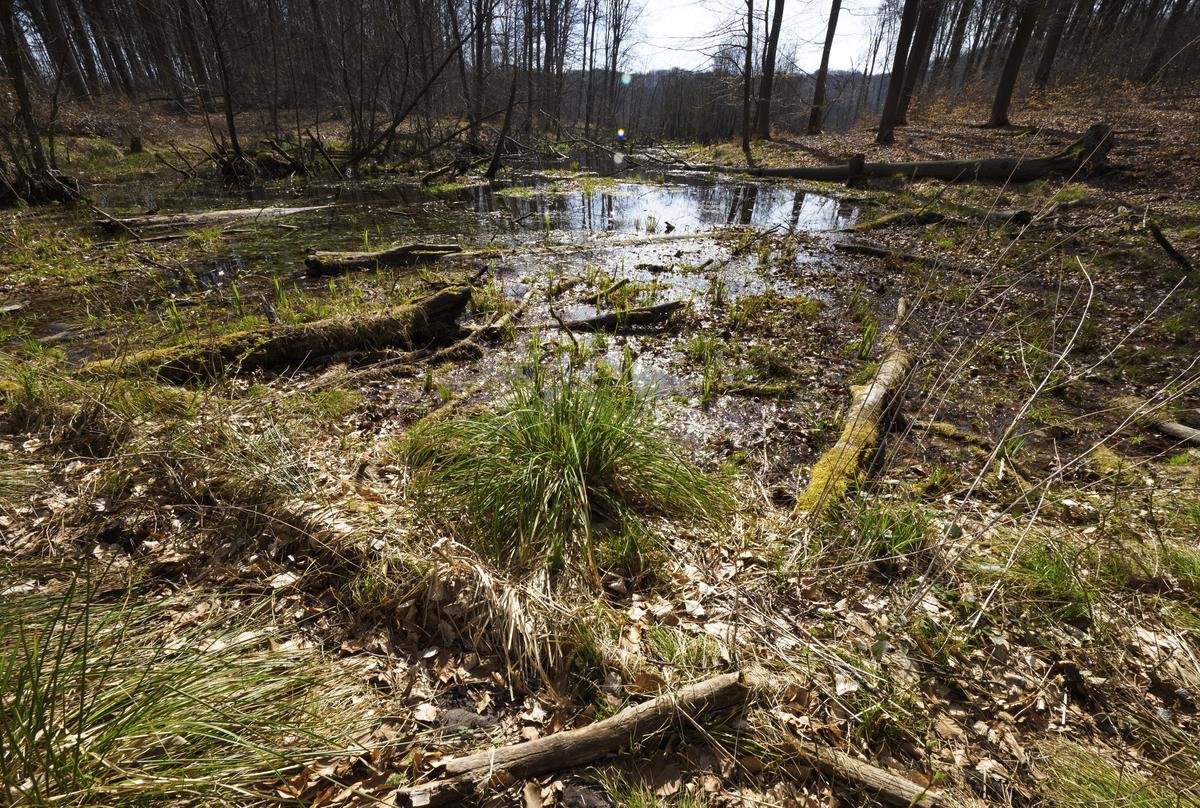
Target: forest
526	402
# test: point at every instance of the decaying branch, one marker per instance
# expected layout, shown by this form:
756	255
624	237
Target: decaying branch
1160	420
429	321
626	318
842	463
463	776
322	263
208	218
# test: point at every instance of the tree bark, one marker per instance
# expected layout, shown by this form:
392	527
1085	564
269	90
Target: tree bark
1090	148
887	119
160	222
817	113
322	264
1012	65
426	322
16	71
62	51
767	82
464	776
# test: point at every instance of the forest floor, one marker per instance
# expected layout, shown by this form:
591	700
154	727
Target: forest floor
243	586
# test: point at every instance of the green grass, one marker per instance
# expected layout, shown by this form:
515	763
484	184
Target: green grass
1078	777
890	532
110	700
555	468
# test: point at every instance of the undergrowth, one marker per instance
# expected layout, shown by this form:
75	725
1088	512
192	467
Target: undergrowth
559	468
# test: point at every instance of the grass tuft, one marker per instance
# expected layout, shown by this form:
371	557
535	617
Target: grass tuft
557	469
108	700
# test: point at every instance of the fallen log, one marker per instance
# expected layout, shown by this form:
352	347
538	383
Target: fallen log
903	217
427	322
1174	254
842	463
324	263
856	247
1089	149
872	780
208	218
458	778
1160	420
626	318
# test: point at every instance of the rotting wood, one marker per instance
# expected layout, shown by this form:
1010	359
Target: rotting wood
1174	254
626	318
839	465
208	218
904	217
420	324
596	298
458	778
857	247
1089	149
1160	420
325	263
872	780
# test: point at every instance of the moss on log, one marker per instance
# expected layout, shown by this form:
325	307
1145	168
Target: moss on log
427	322
841	464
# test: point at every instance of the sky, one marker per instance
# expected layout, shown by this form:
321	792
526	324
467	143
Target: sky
671	33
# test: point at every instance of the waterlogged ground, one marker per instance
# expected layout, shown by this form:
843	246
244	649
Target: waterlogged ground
772	316
1061	620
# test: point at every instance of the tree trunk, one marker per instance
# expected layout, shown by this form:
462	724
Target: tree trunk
16	72
818	103
461	777
747	78
838	467
917	61
191	46
223	76
957	38
426	322
1159	55
887	119
1012	65
1054	35
62	52
767	82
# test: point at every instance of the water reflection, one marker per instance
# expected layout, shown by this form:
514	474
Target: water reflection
636	207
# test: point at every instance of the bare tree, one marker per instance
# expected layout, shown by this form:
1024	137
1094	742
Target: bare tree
818	102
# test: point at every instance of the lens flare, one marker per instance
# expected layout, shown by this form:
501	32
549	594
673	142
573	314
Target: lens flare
626	79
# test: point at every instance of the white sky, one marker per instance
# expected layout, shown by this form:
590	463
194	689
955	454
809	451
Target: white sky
672	32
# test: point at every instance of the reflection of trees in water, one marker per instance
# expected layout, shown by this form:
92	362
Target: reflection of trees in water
682	204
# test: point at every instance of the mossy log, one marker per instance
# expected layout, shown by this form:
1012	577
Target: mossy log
323	263
428	322
208	218
1091	148
461	777
842	463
